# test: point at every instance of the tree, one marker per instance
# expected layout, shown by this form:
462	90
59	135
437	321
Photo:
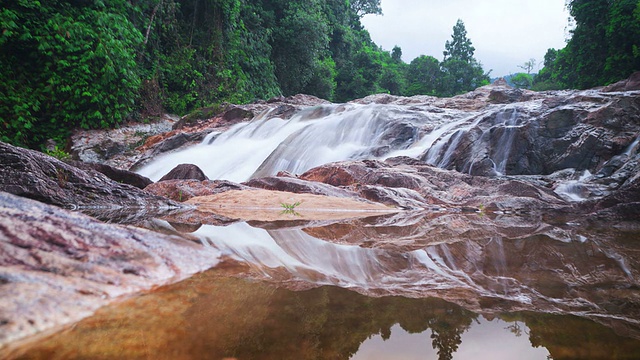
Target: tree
603	47
623	38
528	65
364	7
461	71
396	53
423	76
522	80
300	41
459	47
65	65
547	79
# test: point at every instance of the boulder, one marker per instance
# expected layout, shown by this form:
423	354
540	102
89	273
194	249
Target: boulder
58	266
183	190
632	83
185	172
37	176
117	175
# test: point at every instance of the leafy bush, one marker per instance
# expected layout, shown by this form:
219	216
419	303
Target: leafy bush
65	65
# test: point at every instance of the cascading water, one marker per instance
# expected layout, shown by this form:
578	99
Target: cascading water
314	136
507	122
497	140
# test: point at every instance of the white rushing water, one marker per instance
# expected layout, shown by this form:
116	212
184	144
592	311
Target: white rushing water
272	144
316	136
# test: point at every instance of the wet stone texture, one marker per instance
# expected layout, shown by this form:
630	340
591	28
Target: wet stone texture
37	176
57	267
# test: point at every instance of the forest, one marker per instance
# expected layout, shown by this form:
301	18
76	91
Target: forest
69	64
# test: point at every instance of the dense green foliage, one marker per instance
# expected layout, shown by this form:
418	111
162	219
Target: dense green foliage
66	64
603	49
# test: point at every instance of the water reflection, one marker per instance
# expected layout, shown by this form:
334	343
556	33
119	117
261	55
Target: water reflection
450	286
550	271
218	315
484	339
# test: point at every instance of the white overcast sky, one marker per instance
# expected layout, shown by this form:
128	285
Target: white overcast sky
505	33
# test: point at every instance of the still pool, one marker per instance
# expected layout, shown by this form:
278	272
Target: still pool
436	287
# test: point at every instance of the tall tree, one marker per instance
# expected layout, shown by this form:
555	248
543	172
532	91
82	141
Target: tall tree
364	7
603	47
461	71
396	53
460	47
423	76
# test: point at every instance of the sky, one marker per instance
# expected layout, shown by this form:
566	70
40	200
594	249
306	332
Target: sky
505	33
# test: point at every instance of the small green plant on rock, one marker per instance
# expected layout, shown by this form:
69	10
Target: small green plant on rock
481	210
58	153
290	207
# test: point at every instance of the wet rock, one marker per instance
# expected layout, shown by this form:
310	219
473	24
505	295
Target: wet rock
508	96
632	83
183	190
37	176
57	266
623	204
416	185
114	146
403	198
582	132
117	175
185	172
227	113
299	186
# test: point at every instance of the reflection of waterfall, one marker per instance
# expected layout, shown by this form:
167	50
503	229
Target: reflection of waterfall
486	270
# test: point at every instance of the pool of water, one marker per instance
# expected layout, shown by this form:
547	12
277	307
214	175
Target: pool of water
445	286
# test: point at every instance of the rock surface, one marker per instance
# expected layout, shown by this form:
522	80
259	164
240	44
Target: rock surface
185	172
183	190
632	83
117	175
37	176
556	158
433	186
268	205
57	266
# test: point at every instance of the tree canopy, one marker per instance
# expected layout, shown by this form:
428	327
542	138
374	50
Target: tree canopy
68	64
603	47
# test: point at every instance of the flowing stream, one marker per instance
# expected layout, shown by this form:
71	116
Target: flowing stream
412	285
319	135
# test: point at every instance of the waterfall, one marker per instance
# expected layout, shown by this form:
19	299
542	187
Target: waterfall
507	122
493	141
312	137
328	133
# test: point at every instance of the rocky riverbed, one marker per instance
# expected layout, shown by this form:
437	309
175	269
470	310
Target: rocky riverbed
497	163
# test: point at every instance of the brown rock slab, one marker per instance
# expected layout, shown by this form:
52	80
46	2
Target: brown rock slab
37	176
267	205
57	266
